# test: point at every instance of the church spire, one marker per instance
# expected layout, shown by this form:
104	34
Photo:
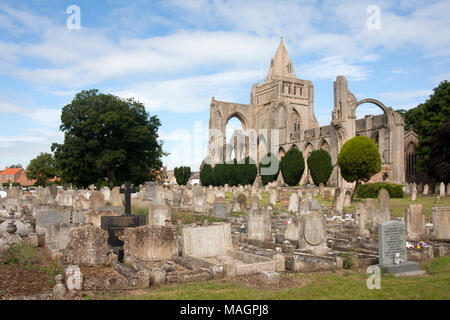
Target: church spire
281	64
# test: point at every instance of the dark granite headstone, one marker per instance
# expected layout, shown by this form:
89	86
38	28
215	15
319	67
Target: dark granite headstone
115	225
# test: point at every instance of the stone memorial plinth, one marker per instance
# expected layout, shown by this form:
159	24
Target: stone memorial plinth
393	257
441	223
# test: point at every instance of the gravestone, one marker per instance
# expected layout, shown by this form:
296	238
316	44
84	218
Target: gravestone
415	222
293	202
441	223
284	201
442	190
384	200
158	215
260	224
115	225
107	193
312	233
292	230
221	209
150	243
425	190
150	189
242	201
362	220
254	202
48	218
326	195
392	249
273	196
116	197
97	200
210	241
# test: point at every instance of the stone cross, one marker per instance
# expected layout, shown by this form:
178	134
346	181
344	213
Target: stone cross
127	191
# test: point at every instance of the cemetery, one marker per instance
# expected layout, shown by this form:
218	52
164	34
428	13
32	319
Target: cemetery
261	202
193	234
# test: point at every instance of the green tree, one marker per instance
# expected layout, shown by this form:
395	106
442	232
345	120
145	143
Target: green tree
359	160
247	171
42	168
292	166
207	175
16	166
269	168
439	164
107	137
426	119
320	166
182	175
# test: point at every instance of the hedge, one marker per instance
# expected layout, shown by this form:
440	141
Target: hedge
370	190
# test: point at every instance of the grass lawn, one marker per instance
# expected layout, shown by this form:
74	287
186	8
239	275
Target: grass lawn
342	284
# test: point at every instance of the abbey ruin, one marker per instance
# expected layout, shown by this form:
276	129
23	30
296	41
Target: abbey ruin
280	116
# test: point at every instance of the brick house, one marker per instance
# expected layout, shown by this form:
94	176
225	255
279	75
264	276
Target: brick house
16	175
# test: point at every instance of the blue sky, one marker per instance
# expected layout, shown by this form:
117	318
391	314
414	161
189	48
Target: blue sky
174	55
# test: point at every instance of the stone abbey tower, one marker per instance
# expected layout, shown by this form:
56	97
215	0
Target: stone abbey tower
281	116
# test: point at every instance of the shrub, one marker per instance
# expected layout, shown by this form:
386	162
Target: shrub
247	171
266	162
370	190
220	174
348	261
320	167
292	166
206	175
182	175
359	159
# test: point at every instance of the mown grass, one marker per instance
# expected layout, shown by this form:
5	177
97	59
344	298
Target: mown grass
350	285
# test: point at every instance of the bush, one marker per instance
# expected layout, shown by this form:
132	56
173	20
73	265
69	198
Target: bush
292	166
247	171
182	175
320	167
220	174
266	162
348	261
206	175
370	190
359	159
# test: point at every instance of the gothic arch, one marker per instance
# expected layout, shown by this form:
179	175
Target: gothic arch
387	111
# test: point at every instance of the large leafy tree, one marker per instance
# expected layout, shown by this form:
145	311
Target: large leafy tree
42	168
359	160
107	137
320	166
426	119
292	166
439	164
182	175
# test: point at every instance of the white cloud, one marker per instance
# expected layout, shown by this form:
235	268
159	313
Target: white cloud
330	67
188	94
405	95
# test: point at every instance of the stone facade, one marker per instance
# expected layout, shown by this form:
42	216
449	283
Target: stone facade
280	117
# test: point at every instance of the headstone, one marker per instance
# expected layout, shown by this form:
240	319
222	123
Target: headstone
441	223
273	196
74	278
158	215
150	243
221	209
202	242
384	200
260	224
415	222
116	197
106	193
362	220
312	233
425	190
414	195
326	195
150	189
293	203
392	248
97	200
47	218
254	202
292	230
241	199
88	246
442	190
